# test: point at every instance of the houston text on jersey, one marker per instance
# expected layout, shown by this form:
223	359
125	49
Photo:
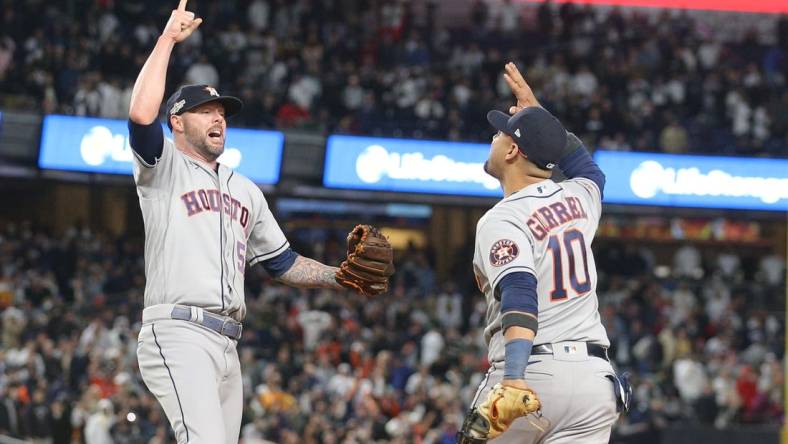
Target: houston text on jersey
197	201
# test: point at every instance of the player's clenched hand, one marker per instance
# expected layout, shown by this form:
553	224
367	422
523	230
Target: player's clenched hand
181	23
516	383
504	404
525	97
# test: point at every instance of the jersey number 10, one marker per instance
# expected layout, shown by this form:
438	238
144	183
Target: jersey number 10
570	238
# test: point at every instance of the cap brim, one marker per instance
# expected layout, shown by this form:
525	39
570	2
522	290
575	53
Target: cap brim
232	105
498	120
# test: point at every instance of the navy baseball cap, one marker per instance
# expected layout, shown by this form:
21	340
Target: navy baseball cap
537	133
188	97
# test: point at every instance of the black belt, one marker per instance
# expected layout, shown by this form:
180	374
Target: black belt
594	350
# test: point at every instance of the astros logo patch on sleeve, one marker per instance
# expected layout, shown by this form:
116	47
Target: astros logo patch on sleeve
503	252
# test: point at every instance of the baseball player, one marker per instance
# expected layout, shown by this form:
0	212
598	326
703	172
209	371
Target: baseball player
203	224
550	379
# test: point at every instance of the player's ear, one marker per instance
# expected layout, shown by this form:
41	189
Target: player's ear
177	123
513	151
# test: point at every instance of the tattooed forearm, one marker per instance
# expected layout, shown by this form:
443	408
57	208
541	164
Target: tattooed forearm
309	273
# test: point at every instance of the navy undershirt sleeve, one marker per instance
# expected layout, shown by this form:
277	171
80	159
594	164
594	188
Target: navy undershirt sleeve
518	296
279	264
518	293
580	164
147	140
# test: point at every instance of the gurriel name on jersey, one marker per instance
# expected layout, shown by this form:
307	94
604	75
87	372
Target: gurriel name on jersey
554	215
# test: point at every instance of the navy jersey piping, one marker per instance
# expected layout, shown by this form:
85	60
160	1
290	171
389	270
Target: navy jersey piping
221	247
270	252
538	197
235	240
177	397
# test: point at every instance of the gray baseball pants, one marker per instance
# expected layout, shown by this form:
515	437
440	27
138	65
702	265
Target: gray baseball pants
195	375
578	400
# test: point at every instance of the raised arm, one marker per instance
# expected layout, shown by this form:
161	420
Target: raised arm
520	88
577	162
148	92
575	159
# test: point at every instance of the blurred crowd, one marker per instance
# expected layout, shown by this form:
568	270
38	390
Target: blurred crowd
622	79
702	337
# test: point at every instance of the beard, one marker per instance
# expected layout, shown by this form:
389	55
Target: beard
202	143
488	169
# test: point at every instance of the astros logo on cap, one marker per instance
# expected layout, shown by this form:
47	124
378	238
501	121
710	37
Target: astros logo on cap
177	106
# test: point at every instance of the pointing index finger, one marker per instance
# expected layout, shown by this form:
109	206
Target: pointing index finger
182	5
514	86
515	74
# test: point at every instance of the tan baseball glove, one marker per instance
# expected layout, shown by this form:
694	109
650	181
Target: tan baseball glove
370	261
503	405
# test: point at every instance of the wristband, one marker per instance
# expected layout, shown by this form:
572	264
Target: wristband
517	353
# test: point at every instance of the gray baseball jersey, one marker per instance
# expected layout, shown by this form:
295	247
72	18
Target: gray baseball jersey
545	229
201	228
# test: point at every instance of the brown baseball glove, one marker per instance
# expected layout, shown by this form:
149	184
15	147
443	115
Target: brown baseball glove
370	261
503	405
